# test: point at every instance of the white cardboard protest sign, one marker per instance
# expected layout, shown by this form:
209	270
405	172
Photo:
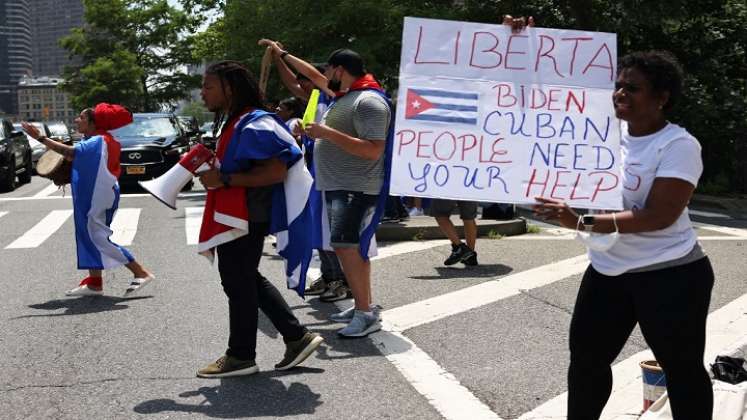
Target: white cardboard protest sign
487	115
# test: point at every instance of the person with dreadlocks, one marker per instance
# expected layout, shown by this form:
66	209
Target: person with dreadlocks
95	193
260	187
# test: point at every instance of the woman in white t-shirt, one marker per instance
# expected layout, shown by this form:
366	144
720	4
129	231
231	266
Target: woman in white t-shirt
653	272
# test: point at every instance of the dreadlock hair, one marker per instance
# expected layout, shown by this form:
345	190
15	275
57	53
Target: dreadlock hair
244	90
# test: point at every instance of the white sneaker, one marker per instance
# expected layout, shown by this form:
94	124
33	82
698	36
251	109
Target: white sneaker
361	325
137	284
84	290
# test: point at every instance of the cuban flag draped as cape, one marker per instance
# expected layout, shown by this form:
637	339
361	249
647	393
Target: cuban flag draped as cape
367	247
260	135
95	201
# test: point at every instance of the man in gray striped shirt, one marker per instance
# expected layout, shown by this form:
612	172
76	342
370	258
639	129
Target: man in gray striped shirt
349	163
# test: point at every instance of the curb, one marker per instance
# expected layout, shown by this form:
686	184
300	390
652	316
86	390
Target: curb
397	232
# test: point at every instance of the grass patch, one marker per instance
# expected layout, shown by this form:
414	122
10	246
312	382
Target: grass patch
533	228
418	236
493	234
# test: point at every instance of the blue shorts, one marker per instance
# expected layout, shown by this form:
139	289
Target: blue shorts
347	212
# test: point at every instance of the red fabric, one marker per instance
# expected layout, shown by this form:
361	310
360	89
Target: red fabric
111	116
94	282
229	201
366	81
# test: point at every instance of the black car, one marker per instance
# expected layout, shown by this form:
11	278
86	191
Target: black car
15	157
151	145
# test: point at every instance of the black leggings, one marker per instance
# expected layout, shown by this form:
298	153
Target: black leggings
247	290
671	306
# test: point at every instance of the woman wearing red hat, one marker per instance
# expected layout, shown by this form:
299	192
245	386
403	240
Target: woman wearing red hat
96	196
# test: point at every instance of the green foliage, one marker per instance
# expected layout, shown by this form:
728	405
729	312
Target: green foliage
706	35
197	110
152	39
533	228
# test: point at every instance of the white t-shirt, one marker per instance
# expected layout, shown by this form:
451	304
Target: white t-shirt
669	153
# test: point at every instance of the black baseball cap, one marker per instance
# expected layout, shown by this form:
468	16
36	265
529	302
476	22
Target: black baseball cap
350	60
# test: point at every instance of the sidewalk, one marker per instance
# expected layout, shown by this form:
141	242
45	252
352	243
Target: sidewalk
735	207
425	227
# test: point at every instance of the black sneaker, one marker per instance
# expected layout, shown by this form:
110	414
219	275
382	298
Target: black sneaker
337	290
471	260
317	287
457	254
297	351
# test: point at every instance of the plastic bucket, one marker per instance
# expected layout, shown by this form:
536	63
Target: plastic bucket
654	382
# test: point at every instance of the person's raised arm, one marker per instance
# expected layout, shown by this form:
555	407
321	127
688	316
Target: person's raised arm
303	67
67	151
288	78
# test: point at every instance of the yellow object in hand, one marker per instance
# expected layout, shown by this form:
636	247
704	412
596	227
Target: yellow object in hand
309	116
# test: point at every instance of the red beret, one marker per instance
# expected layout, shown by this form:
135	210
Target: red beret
111	116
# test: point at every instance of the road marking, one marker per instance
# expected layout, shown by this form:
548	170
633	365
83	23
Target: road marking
3	213
49	190
192	223
425	311
709	214
42	230
742	233
442	389
385	251
124	226
725	335
68	196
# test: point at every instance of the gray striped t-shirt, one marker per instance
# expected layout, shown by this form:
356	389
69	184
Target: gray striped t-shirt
362	114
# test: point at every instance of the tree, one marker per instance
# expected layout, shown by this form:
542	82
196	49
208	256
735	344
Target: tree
706	35
150	38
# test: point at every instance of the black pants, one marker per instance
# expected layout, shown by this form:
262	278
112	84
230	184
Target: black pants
247	290
671	306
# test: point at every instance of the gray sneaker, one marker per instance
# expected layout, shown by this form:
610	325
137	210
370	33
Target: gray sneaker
361	325
346	316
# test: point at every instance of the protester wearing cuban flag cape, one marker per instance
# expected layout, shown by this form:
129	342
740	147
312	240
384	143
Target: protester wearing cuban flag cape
261	186
352	162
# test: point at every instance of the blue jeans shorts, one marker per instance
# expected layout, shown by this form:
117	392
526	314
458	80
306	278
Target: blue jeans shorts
347	212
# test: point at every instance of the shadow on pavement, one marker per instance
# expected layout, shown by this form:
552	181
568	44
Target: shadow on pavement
251	396
480	271
82	305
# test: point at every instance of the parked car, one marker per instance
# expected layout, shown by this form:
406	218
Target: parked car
60	131
15	157
191	126
207	135
151	145
37	148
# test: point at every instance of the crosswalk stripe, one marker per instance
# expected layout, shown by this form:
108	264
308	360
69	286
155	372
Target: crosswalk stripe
42	230
124	226
192	222
725	335
46	192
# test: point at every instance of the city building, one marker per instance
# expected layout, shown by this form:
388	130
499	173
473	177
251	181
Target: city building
52	20
15	51
40	99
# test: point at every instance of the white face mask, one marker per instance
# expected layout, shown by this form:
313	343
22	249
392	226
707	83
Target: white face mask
599	242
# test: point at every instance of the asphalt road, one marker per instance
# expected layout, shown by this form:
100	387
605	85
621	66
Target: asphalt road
112	358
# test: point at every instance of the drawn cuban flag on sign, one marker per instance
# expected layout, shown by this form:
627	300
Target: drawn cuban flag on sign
441	106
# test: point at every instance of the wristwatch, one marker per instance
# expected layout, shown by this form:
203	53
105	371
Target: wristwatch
588	222
225	179
283	54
